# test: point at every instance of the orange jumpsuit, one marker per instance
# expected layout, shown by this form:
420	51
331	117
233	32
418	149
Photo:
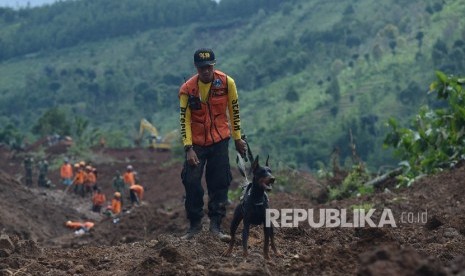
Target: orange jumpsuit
66	171
88	225
116	206
79	180
99	199
75	225
91	180
138	189
129	178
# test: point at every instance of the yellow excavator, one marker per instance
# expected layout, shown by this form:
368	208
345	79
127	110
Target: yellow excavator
155	140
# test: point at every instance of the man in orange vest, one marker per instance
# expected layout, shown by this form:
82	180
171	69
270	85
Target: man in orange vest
136	193
207	100
66	173
98	199
76	225
80	227
129	176
90	181
116	206
79	179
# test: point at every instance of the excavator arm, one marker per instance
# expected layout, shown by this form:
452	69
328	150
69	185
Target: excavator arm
155	139
146	125
171	136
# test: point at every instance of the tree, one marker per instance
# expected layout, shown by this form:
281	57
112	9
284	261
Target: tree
11	136
52	121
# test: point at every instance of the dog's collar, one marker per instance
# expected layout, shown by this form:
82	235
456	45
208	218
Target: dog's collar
264	200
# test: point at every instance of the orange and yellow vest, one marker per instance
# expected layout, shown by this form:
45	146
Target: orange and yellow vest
209	124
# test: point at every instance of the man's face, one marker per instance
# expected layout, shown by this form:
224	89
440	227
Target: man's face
205	73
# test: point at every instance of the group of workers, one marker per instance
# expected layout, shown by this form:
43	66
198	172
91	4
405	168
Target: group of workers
98	201
129	182
123	184
83	178
42	167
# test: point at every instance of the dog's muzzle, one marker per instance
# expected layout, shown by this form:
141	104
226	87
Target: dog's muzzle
270	181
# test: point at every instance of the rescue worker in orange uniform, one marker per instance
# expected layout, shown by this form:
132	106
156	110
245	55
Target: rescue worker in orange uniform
91	180
79	180
76	225
136	193
66	173
207	100
129	176
115	207
98	200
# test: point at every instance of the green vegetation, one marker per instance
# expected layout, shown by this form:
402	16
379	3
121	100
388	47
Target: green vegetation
235	194
436	138
365	206
11	136
353	184
308	72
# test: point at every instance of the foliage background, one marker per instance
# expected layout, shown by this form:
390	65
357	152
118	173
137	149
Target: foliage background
308	72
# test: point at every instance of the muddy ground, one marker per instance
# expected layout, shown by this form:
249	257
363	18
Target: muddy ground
428	238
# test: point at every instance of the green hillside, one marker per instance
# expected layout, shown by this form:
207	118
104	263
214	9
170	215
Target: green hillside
308	72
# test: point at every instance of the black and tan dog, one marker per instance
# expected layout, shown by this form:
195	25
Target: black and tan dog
252	209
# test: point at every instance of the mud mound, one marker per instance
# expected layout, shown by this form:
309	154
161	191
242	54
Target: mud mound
36	214
396	261
429	237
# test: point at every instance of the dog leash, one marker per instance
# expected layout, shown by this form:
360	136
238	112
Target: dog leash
241	167
240	160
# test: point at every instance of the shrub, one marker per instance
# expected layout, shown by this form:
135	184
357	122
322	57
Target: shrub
436	139
353	184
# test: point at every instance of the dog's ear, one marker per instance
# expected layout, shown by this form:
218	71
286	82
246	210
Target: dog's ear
255	164
267	158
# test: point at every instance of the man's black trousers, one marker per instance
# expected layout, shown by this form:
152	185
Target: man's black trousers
217	176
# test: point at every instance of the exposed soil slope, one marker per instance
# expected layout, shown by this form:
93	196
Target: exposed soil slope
146	240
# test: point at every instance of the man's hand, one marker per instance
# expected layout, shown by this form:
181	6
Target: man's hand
191	157
241	146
